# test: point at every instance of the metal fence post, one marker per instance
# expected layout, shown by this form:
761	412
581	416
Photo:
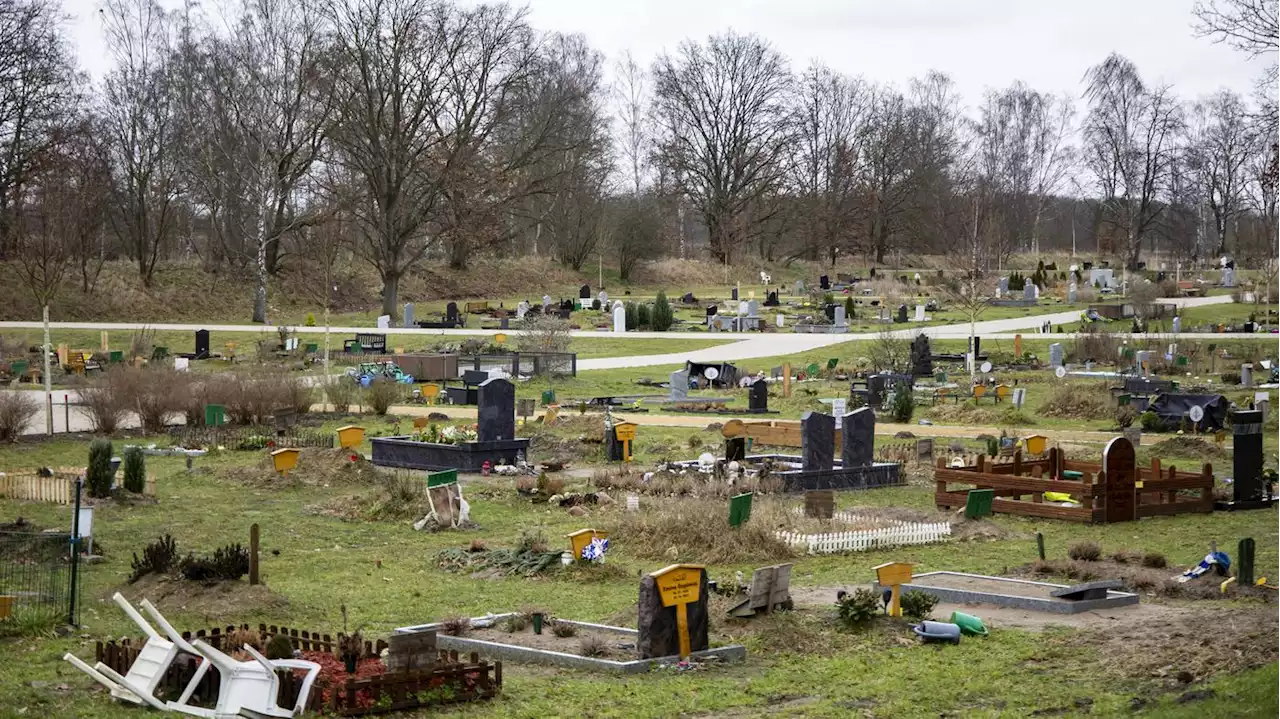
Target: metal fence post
75	554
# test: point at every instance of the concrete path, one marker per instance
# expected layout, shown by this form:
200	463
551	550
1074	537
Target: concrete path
751	345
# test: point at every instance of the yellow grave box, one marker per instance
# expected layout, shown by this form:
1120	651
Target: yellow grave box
579	540
678	586
1003	391
285	460
894	575
1035	443
350	436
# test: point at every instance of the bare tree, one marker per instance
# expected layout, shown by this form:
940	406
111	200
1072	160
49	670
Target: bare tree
1251	26
635	131
1219	145
39	89
825	173
889	177
724	118
141	116
265	79
1130	134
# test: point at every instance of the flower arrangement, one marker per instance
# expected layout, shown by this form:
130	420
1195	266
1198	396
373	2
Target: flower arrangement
446	434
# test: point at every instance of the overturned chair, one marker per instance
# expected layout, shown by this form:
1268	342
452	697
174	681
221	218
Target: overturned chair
245	689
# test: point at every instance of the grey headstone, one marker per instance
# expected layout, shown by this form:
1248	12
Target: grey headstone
408	315
776	373
496	410
522	309
604	298
839	318
619	319
1004	285
546	302
1246	375
817	441
1177	325
753	308
384	322
858	429
1071	295
1228	277
679	389
1056	355
799	288
658	636
1029	291
1134	435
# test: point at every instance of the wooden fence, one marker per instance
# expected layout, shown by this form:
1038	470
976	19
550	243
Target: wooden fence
898	535
450	681
781	433
59	487
1020	486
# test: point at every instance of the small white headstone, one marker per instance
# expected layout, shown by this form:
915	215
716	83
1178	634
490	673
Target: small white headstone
919	313
633	503
838	406
619	319
384	322
780	320
182	364
1019	396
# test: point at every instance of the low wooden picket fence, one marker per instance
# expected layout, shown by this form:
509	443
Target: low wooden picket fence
57	488
898	535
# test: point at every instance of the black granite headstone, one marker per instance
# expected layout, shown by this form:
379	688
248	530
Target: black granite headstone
584	292
875	389
733	293
830	312
772	300
758	396
496	410
735	449
824	282
712	310
921	357
1246	430
202	344
817	441
902	314
858	437
451	313
658	636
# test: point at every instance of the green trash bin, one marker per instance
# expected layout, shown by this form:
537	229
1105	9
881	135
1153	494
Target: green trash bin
116	357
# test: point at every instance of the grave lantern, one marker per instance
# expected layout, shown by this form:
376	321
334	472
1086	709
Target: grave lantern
894	575
350	436
285	460
1035	443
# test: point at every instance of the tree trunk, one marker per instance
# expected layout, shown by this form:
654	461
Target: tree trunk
260	292
390	290
48	376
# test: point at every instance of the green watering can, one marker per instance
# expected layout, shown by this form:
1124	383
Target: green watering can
969	624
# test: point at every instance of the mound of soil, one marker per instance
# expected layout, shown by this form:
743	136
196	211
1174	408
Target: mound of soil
212	600
963	414
1190	447
1140	579
316	467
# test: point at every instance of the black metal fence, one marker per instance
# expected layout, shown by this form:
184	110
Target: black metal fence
525	364
36	573
249	437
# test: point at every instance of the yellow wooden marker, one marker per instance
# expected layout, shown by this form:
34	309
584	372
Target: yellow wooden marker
499	339
285	460
678	586
894	575
579	540
786	380
350	436
625	432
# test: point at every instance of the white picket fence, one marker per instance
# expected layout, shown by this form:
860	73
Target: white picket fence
851	518
898	535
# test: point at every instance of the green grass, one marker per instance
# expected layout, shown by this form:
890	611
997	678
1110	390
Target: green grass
323	561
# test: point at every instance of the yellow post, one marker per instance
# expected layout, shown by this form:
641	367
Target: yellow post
894	575
786	380
1017	346
105	346
678	586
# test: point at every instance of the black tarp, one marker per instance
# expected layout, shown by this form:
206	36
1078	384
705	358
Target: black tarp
727	373
1173	410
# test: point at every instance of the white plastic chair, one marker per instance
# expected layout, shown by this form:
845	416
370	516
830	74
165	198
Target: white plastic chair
245	689
144	675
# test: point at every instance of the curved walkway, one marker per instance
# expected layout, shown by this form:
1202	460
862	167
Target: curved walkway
751	345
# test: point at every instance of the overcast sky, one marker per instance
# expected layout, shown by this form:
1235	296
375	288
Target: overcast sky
980	43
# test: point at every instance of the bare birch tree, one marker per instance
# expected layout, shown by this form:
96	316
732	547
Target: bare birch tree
1219	145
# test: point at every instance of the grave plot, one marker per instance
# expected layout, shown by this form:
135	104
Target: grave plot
817	466
1057	488
494	443
961	588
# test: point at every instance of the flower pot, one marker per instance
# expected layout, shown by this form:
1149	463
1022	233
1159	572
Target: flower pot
537	622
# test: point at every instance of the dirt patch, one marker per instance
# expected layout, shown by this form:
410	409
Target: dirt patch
316	468
1142	580
1070	402
214	601
963	414
1189	447
603	645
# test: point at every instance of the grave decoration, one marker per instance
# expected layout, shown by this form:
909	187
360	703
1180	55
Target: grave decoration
893	575
817	467
588	545
1115	490
285	460
495	440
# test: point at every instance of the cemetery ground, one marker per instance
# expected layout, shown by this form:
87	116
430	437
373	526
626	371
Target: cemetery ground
331	536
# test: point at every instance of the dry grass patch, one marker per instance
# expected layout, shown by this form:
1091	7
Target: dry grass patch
697	530
1076	402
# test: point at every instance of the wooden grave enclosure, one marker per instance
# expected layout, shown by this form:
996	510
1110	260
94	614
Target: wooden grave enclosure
1125	495
57	486
447	680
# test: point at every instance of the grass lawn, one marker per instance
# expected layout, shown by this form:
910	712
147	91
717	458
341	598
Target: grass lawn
800	664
